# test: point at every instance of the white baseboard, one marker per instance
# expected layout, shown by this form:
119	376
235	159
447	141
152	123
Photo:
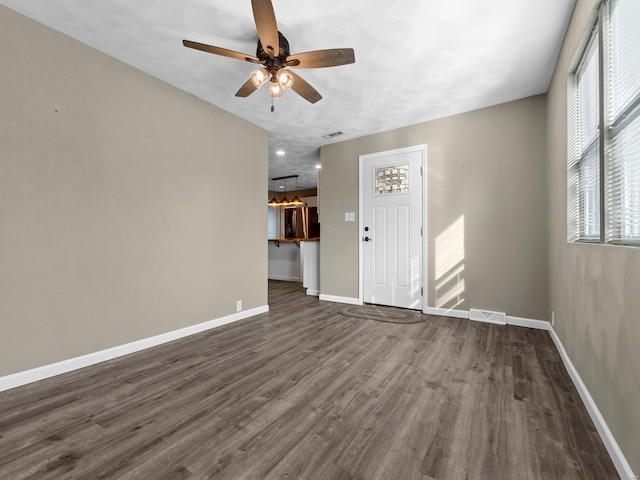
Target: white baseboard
618	458
285	279
447	312
515	321
528	323
336	299
314	293
40	373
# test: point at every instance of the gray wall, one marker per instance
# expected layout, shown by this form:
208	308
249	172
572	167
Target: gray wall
595	289
487	166
113	221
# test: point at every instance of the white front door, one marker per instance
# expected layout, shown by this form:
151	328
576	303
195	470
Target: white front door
392	203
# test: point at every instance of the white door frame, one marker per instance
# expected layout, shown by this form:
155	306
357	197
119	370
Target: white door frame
362	159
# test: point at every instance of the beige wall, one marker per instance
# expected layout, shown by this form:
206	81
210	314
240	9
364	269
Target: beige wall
486	167
113	225
595	289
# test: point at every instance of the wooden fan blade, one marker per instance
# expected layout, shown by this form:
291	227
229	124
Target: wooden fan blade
220	51
266	25
322	58
247	89
302	88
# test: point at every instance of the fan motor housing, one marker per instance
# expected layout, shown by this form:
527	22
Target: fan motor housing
282	54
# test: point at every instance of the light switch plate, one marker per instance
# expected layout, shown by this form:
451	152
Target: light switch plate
346	216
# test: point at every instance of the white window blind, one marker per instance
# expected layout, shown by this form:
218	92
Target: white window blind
623	121
584	151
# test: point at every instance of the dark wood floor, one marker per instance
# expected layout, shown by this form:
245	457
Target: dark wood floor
305	393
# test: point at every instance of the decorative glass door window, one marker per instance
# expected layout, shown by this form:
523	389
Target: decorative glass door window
391	180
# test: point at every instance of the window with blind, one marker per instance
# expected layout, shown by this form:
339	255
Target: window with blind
613	55
623	109
585	144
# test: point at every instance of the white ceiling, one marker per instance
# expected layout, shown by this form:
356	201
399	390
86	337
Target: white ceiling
416	60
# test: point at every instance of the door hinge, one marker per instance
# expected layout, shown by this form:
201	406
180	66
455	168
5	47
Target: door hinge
420	170
422	291
421	231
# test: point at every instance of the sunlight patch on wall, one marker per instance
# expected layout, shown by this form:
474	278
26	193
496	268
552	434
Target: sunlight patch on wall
449	264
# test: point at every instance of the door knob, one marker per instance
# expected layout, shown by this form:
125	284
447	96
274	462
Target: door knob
366	239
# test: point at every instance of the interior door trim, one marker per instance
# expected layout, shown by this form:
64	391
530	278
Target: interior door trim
361	164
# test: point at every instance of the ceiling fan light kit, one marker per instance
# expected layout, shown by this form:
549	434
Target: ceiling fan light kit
275	91
276	59
285	79
259	77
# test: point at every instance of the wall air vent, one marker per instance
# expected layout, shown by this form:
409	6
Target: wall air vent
487	316
332	135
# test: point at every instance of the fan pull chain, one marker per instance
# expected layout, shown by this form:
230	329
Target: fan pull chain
272	107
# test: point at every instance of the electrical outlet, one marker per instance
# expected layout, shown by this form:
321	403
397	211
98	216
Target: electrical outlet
239	306
553	319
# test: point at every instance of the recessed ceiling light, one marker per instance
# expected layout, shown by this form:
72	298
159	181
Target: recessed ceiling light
280	153
318	166
281	186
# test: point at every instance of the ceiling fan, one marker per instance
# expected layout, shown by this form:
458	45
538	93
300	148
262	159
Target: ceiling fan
274	54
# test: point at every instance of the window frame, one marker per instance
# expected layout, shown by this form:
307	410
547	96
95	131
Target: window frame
598	37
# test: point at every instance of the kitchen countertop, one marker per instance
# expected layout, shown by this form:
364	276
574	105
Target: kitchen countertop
293	240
